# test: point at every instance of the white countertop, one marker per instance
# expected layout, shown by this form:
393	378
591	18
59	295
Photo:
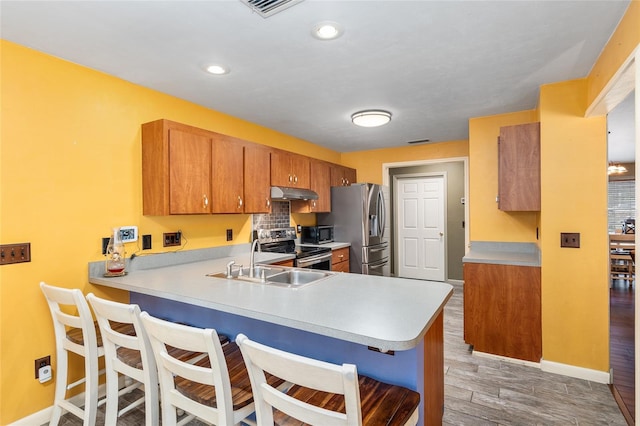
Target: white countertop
382	312
503	253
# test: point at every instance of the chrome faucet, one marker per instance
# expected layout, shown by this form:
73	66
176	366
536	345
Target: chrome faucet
251	257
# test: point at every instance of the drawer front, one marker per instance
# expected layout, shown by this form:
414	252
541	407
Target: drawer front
340	255
340	267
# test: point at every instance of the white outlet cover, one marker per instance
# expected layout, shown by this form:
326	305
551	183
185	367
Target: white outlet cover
129	234
44	373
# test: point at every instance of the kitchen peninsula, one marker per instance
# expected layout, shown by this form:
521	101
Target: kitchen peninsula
391	328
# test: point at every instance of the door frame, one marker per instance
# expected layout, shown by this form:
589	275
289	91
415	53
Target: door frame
386	167
396	242
624	81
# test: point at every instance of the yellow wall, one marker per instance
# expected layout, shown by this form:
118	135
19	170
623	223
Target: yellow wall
70	169
486	222
575	301
621	44
369	163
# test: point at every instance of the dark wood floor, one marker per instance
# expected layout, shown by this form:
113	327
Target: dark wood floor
622	307
487	391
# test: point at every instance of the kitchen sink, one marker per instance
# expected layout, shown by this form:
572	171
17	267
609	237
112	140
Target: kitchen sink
277	276
298	277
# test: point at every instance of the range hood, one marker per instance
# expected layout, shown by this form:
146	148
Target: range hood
284	193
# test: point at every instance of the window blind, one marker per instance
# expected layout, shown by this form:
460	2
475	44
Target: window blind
622	203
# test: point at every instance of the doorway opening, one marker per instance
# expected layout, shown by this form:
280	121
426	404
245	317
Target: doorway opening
457	209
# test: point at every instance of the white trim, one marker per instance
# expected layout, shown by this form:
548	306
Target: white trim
617	88
465	162
507	359
577	372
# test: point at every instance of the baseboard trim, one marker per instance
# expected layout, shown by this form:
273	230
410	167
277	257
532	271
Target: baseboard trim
577	372
507	359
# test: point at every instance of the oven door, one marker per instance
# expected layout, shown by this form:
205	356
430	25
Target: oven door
320	261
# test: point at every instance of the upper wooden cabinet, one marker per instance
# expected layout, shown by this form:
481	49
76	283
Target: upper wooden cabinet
176	169
289	169
257	175
519	168
320	180
186	170
342	176
227	185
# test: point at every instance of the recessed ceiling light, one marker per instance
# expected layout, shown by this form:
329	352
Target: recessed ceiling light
327	30
217	69
371	118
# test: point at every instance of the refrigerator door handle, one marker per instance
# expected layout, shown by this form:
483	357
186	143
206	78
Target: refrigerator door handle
381	214
381	247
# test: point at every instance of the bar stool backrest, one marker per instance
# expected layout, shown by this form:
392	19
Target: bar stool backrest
302	371
164	334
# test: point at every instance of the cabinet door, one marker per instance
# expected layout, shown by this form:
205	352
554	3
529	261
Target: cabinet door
502	310
300	166
321	184
257	172
281	174
227	184
289	170
519	168
342	176
189	173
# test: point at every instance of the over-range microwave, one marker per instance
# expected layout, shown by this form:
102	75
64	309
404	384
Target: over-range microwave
316	234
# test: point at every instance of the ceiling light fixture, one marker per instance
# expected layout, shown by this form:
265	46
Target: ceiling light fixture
616	169
371	118
217	69
327	30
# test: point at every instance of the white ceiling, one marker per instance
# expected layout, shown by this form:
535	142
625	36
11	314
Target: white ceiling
433	64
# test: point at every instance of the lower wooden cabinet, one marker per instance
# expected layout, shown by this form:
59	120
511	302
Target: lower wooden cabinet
502	310
340	260
284	263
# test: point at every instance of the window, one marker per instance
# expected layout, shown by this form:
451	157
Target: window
622	203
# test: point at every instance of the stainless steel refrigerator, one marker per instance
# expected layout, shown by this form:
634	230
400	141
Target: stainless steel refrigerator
359	216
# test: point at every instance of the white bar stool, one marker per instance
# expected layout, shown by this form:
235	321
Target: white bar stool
75	332
130	355
323	393
217	389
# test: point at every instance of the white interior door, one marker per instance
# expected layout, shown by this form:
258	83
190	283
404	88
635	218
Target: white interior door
421	227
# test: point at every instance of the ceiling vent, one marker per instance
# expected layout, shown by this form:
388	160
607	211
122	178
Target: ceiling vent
266	8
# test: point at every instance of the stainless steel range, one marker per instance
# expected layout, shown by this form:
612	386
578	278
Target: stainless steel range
283	240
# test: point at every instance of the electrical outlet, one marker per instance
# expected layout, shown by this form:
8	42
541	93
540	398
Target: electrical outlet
170	239
40	363
570	239
15	253
146	242
229	234
129	234
105	244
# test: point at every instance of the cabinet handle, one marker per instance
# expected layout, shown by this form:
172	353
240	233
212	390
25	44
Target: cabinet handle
290	178
341	256
239	202
268	202
205	201
295	179
314	204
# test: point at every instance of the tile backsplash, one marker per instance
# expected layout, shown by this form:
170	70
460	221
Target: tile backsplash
279	217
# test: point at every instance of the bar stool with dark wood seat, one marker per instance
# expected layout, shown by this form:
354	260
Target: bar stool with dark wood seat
323	393
75	331
216	389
